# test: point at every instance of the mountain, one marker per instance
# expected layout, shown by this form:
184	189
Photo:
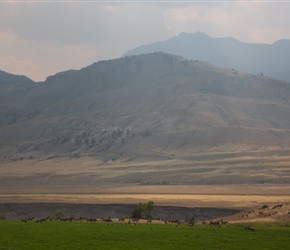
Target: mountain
12	88
7	78
188	118
269	59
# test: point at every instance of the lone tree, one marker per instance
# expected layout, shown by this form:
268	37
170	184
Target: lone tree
144	210
136	214
58	213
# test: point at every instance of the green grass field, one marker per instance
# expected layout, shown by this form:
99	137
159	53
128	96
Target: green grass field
83	235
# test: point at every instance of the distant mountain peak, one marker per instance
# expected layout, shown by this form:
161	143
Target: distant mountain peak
196	35
226	52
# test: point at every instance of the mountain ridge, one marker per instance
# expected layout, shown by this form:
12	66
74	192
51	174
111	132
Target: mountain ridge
226	52
147	79
8	78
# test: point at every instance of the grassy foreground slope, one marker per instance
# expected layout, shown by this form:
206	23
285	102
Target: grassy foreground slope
81	235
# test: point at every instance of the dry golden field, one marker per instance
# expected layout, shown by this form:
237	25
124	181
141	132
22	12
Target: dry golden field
90	181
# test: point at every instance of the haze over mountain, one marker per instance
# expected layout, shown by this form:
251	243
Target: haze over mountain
227	52
148	108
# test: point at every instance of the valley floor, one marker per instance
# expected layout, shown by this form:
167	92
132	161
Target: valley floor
220	196
87	181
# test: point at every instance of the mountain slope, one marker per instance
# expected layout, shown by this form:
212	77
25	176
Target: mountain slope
269	59
153	97
13	89
152	109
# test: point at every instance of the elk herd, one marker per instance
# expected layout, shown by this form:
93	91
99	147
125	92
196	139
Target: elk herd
191	223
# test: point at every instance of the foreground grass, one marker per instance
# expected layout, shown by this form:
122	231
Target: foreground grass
82	235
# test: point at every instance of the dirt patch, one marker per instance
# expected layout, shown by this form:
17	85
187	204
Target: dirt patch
274	213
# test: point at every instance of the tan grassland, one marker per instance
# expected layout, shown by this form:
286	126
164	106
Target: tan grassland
87	181
184	200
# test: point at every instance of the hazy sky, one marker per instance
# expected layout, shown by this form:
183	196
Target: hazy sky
41	38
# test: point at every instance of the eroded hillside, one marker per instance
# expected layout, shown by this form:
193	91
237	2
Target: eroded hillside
147	108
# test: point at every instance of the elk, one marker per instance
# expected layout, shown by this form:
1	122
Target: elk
249	228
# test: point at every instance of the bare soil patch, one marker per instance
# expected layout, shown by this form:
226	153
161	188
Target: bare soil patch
274	213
